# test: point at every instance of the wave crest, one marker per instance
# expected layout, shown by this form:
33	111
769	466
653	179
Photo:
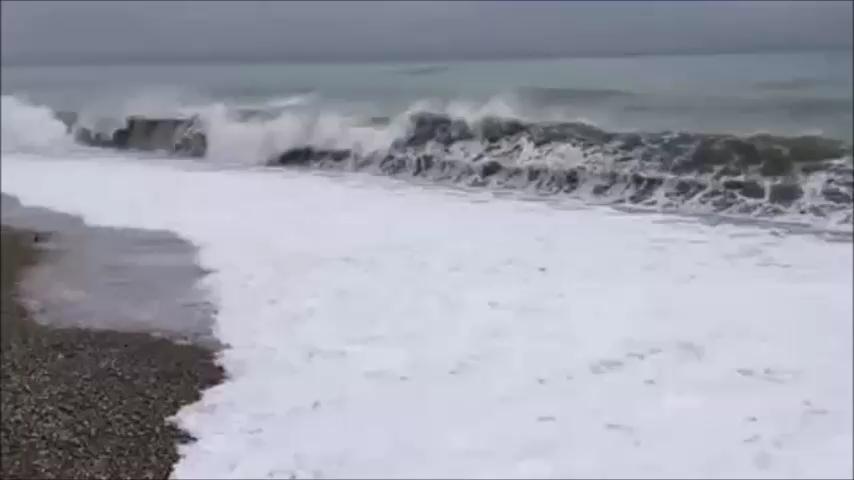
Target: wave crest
808	178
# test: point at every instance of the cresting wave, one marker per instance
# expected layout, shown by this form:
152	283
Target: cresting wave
805	178
808	179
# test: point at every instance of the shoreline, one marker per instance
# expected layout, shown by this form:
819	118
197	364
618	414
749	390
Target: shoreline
94	403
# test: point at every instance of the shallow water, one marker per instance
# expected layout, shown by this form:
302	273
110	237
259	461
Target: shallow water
113	278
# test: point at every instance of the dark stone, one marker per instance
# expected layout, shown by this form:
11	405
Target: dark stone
785	193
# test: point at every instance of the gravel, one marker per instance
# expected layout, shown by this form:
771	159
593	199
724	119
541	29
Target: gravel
82	403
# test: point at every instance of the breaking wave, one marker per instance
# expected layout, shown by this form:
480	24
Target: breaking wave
809	178
28	127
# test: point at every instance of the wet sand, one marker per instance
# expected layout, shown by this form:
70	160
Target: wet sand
86	387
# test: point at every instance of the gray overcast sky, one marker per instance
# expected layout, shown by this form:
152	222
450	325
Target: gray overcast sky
50	31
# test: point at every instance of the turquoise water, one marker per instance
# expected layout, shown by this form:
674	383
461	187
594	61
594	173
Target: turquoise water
742	93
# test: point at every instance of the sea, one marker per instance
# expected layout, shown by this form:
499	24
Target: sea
632	266
779	93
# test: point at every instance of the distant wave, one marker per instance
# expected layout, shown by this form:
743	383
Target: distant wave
424	70
790	85
544	95
808	178
794	106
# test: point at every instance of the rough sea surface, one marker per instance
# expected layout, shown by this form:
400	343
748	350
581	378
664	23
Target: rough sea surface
448	284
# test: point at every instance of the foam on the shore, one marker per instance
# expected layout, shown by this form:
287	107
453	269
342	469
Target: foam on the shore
382	330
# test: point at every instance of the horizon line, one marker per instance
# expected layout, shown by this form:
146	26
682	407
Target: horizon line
118	59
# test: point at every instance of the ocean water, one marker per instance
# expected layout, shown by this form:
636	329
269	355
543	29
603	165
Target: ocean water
762	136
779	93
541	269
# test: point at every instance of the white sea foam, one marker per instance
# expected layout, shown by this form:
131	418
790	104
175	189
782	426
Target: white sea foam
28	127
232	140
381	330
